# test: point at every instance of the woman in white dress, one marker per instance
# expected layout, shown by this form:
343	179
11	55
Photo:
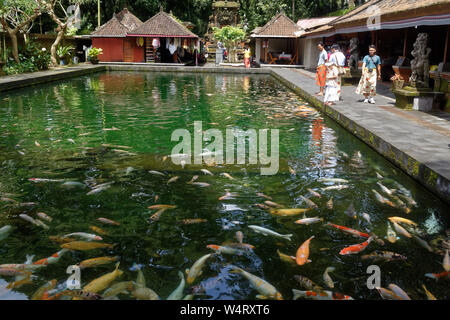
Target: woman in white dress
331	86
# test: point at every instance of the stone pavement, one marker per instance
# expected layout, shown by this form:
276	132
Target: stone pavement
417	142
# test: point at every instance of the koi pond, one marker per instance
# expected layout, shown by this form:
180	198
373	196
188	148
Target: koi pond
99	146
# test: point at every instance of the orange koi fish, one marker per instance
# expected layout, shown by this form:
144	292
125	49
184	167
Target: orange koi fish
356	248
52	259
98	230
38	295
239	245
45	296
350	231
322	295
223	249
437	276
303	253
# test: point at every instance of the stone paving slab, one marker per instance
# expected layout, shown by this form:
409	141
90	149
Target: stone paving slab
417	142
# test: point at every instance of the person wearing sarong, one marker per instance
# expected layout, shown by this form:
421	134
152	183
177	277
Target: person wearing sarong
371	72
338	58
172	50
331	95
219	53
247	55
321	69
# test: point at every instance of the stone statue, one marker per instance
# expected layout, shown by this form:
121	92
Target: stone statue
420	65
354	54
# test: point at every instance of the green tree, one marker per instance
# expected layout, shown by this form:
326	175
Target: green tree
55	9
230	36
16	16
256	13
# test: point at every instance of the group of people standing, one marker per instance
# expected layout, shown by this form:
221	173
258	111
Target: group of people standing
330	69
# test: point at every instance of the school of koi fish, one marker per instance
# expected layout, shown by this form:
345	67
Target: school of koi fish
106	286
249	233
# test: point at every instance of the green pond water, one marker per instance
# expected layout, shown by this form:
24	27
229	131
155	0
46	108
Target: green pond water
116	127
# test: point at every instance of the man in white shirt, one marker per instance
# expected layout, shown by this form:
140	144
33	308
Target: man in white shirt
339	59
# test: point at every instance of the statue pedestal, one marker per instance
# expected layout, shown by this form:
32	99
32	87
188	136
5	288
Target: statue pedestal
351	77
421	99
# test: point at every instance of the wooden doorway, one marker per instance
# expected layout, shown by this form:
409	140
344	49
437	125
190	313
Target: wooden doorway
128	49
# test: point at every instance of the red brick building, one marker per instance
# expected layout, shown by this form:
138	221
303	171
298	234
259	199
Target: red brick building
112	38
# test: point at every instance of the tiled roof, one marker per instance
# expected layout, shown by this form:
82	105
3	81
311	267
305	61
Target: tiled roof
113	28
411	8
389	10
279	27
119	25
128	20
307	24
163	25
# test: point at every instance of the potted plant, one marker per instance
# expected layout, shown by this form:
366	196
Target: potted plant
62	52
94	53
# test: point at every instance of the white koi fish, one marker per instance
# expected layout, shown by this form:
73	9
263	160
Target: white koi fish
84	235
327	279
268	232
177	294
196	269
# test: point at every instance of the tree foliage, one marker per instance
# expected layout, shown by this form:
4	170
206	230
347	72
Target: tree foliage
17	16
230	36
254	13
57	12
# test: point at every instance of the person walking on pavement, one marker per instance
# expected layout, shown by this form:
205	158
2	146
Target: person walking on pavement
321	68
371	72
219	53
338	58
331	87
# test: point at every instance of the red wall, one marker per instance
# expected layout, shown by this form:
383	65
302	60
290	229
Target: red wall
138	53
131	51
112	48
